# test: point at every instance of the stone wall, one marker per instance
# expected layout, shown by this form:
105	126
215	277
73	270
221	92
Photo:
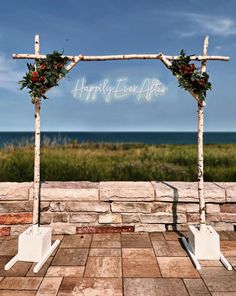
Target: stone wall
90	207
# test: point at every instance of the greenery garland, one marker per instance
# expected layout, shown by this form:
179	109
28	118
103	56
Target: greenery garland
189	77
44	75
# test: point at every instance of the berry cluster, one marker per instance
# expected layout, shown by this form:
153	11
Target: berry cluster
44	75
189	77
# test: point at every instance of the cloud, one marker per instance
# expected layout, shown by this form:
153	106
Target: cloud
9	74
207	24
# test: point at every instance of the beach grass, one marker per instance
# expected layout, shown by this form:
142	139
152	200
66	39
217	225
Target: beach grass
114	162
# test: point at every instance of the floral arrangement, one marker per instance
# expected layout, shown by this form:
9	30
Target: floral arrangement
189	77
44	75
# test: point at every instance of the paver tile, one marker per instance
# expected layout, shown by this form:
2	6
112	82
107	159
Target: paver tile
139	263
232	261
103	267
17	293
228	248
140	287
108	240
105	252
76	241
180	267
196	287
106	244
65	271
19	269
135	240
42	271
49	286
216	271
168	248
225	235
8	247
70	257
172	235
232	235
156	236
106	236
223	293
57	236
91	287
221	284
154	287
20	283
219	279
210	263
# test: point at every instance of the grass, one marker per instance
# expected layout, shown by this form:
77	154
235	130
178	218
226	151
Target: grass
101	161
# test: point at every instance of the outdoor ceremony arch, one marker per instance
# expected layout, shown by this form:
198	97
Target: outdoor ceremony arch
199	238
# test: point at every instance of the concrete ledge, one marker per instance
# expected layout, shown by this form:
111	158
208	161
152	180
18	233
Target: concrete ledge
93	207
14	191
187	192
126	191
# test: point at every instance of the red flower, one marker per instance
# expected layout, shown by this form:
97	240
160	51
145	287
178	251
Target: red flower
183	69
43	67
34	79
187	70
192	67
42	78
34	74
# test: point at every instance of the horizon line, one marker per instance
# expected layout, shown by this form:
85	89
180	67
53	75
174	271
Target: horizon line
116	131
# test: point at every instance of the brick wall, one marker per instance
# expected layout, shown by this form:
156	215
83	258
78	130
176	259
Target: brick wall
89	207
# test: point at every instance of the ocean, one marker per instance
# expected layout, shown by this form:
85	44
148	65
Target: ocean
21	138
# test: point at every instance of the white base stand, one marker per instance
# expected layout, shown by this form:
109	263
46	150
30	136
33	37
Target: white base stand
204	245
34	245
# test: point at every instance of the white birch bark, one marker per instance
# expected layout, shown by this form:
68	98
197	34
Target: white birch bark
36	204
122	57
202	210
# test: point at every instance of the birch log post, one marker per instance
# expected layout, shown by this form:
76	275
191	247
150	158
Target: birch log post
36	204
201	105
202	210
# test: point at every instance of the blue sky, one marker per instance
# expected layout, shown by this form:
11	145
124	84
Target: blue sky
116	27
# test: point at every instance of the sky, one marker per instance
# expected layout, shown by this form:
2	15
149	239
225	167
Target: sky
104	27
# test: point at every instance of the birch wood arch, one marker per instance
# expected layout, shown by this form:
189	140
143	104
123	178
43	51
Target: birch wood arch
167	61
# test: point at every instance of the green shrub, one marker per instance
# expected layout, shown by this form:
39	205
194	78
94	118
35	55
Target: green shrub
103	161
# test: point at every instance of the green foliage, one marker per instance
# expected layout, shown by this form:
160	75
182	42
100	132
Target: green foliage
44	75
189	77
117	162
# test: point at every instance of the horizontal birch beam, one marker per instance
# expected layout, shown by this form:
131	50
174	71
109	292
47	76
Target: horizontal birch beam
200	58
122	57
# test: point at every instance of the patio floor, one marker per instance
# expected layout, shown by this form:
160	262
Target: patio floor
130	264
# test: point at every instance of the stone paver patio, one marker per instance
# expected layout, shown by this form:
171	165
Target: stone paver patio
129	264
